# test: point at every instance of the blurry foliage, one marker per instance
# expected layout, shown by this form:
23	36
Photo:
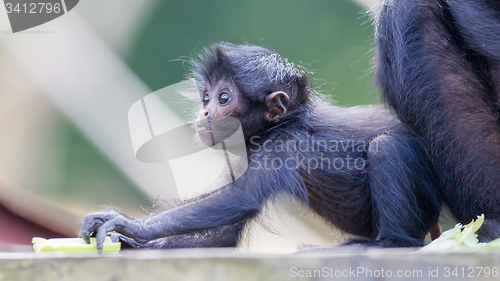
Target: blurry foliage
332	38
90	175
75	173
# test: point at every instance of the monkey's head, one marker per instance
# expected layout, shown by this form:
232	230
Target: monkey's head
251	83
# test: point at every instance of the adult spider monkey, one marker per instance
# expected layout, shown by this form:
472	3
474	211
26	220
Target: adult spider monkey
359	167
439	68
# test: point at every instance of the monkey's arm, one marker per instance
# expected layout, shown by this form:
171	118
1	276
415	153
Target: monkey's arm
237	202
221	236
234	203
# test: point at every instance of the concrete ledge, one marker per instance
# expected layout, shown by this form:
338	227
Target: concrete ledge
227	264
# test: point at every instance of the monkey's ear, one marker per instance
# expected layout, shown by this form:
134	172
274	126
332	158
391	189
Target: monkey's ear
276	104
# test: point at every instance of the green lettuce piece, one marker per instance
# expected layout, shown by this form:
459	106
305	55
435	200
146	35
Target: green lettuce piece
461	239
73	245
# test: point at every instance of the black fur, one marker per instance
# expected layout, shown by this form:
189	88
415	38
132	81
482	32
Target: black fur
375	184
439	67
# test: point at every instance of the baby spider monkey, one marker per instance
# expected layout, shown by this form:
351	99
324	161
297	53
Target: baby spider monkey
359	167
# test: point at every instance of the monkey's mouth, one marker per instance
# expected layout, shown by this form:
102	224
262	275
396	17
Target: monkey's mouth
213	131
204	126
201	129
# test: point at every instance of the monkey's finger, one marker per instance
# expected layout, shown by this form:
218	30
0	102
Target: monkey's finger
102	232
126	242
92	222
89	226
115	237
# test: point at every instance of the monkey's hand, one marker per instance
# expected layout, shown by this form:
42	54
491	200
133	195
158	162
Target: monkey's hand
99	224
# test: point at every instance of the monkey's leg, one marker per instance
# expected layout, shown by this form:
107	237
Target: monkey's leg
223	236
406	202
435	85
478	25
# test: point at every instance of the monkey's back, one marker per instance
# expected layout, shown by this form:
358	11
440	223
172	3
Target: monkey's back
340	192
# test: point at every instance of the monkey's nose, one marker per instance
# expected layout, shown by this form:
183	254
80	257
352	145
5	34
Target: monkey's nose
206	114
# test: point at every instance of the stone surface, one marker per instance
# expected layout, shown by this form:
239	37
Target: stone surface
220	264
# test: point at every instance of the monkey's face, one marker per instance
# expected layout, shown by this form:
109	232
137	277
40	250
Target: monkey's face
220	101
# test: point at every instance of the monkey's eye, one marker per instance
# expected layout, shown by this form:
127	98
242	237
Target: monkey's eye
205	99
223	98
